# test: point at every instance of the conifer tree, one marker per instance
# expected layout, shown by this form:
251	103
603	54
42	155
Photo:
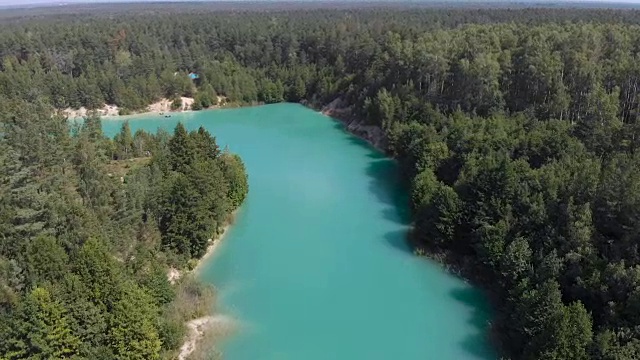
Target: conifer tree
40	329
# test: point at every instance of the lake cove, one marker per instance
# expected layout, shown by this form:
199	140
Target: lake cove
316	266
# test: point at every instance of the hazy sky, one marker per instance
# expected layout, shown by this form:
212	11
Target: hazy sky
33	2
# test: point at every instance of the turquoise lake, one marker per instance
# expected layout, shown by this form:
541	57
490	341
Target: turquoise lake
316	266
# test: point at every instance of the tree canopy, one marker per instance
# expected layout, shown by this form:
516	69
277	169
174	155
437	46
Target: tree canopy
516	131
83	255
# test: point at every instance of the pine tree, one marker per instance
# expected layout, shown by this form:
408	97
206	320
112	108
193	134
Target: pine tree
40	329
46	259
182	149
205	144
184	222
132	331
124	142
236	176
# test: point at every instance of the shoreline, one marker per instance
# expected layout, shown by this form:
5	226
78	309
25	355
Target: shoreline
158	108
463	267
198	328
459	266
450	263
174	274
338	111
215	243
110	110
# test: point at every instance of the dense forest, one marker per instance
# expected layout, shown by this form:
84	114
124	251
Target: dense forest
89	227
516	131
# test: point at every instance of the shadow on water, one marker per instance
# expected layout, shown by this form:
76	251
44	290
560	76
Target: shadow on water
398	241
393	214
385	181
386	184
355	140
476	344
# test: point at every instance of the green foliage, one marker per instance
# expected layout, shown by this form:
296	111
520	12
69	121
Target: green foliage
205	97
517	131
297	90
47	261
182	149
40	329
236	175
200	192
124	143
83	273
184	224
176	104
205	144
157	284
423	187
132	327
171	332
99	272
124	111
197	105
439	219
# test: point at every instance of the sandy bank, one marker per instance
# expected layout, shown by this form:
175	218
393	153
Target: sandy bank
196	329
162	106
217	326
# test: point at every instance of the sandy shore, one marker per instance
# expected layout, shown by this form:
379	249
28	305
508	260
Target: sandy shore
174	274
203	329
162	106
214	245
197	328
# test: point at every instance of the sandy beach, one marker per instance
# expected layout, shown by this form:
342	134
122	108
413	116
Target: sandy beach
162	106
196	329
204	329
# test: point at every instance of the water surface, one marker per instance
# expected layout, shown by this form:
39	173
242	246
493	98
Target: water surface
316	266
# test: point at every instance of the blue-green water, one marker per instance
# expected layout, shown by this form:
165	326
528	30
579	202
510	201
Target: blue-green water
316	266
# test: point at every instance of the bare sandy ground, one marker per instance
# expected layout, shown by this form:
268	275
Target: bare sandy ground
162	106
219	325
196	329
107	110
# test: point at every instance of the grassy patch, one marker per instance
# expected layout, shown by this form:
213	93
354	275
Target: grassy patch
120	168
